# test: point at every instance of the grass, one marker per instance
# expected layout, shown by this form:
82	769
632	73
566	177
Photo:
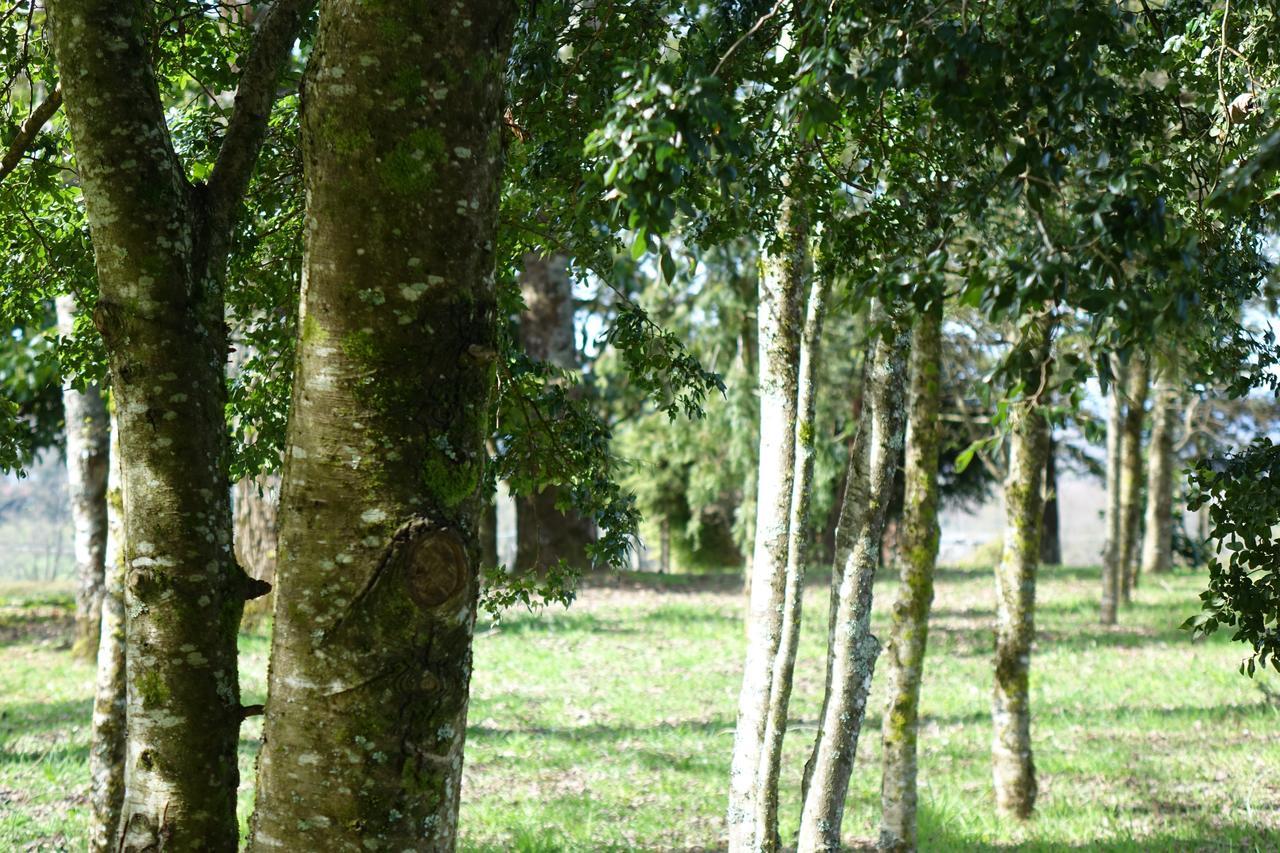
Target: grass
609	726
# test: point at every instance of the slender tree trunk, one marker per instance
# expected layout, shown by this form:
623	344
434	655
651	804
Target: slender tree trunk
107	748
1131	476
770	760
160	245
852	648
910	631
378	576
1111	545
664	546
87	454
780	311
544	533
1157	542
1050	535
1013	768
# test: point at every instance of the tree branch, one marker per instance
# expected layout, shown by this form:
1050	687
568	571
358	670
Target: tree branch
255	96
27	133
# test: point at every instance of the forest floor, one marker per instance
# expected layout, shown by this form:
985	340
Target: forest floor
609	726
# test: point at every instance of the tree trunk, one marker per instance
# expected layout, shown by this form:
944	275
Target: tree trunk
381	500
770	760
256	502
910	629
160	245
1111	545
544	533
107	748
87	454
1131	476
1157	542
1050	529
852	648
779	312
1012	766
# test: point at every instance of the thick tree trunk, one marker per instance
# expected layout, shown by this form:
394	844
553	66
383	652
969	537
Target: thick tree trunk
1013	768
780	310
1157	541
770	760
852	648
107	749
160	246
1050	529
545	534
1111	544
910	629
87	454
378	576
1131	475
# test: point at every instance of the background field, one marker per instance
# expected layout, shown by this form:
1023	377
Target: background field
609	726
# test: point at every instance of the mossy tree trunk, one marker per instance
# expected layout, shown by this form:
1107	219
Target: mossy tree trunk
909	633
852	648
1157	541
1013	767
1111	569
544	533
378	575
160	245
1131	476
88	437
780	309
107	747
783	668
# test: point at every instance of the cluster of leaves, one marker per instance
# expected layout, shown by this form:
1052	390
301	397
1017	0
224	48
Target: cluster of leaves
1242	493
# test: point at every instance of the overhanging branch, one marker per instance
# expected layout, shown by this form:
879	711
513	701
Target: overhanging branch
29	130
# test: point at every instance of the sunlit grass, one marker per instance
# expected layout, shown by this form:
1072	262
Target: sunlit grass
609	726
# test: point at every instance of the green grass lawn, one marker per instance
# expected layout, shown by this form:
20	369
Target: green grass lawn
609	726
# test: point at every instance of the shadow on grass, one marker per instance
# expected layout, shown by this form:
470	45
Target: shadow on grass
597	732
938	833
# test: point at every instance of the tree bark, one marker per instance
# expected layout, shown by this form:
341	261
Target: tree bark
779	316
852	648
378	577
1131	475
160	245
1013	767
1111	515
1050	535
910	627
1157	542
107	747
88	438
770	760
544	533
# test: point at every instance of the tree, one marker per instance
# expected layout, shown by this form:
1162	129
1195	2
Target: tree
1157	538
1050	533
107	749
1012	764
545	533
781	306
851	647
1131	479
161	244
909	633
371	655
87	463
1111	565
